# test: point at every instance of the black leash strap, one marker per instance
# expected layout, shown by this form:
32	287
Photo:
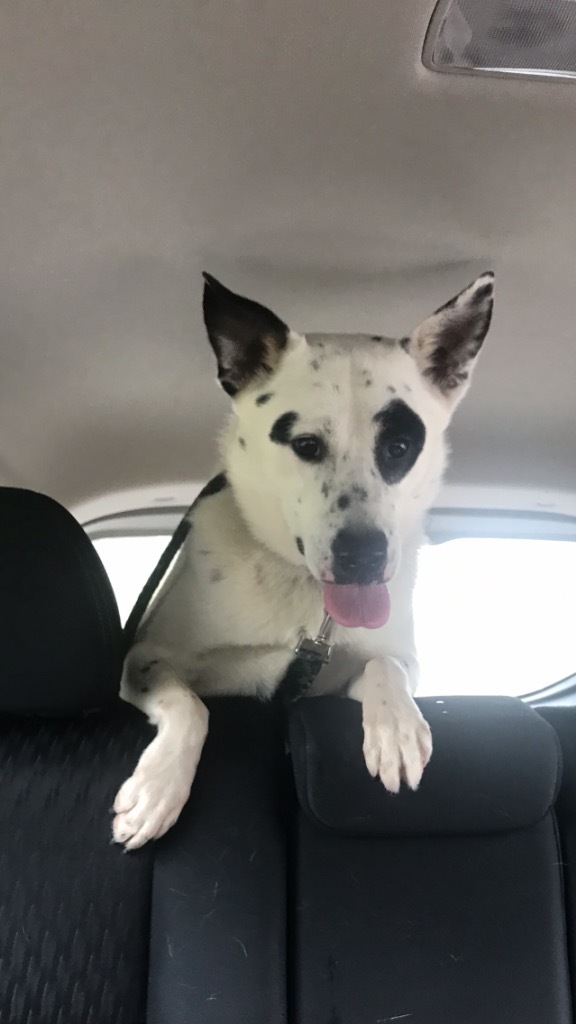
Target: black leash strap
166	558
311	654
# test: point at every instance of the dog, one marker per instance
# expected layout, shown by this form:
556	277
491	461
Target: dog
333	455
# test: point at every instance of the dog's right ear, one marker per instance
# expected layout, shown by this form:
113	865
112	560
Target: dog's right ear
248	339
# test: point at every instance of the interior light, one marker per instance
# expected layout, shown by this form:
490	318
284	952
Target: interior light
503	37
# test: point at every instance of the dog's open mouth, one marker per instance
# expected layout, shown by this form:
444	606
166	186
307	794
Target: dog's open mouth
351	605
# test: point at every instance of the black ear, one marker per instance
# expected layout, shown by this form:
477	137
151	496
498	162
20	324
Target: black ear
247	338
447	344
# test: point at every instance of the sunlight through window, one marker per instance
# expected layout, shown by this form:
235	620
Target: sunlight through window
492	616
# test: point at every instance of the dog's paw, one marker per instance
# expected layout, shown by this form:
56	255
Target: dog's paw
397	737
150	801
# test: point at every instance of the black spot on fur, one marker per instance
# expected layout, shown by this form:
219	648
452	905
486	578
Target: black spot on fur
281	432
368	382
343	502
262	399
314	365
399	440
216	576
360	492
214	486
391	390
300	545
241	442
336	388
376	337
146	668
404	343
325	489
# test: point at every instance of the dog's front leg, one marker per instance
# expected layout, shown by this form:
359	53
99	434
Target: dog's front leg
397	738
151	800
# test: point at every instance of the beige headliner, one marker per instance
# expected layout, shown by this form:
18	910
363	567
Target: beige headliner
300	152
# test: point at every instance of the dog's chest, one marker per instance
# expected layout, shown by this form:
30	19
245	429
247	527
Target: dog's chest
224	591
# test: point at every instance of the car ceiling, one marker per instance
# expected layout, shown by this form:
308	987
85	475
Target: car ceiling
301	153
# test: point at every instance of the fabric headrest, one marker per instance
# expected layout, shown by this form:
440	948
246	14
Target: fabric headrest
60	633
495	768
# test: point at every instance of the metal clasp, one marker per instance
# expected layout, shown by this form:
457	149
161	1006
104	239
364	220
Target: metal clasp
318	647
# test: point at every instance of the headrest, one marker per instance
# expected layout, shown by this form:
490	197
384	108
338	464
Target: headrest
495	768
60	633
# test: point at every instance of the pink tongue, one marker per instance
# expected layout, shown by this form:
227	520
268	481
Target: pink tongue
357	606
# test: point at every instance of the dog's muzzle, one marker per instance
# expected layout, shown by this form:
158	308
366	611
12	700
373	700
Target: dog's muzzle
359	556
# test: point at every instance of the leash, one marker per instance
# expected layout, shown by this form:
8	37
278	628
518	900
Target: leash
310	653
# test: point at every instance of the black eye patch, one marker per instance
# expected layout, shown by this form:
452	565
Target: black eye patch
399	440
281	432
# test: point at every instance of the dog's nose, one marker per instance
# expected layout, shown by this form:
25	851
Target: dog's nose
359	556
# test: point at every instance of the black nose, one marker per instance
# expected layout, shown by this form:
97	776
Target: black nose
359	556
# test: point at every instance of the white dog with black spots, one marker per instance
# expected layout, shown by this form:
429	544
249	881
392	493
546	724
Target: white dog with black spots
334	453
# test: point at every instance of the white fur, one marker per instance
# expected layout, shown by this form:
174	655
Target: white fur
239	594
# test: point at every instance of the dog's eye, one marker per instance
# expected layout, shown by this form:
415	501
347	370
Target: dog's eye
309	447
398	448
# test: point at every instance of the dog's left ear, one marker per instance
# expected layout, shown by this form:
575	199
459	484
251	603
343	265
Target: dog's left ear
447	344
248	339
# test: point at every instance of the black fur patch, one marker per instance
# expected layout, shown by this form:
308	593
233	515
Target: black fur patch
247	338
325	489
241	442
391	389
300	545
262	399
360	492
281	432
460	339
398	425
368	382
343	502
314	365
377	337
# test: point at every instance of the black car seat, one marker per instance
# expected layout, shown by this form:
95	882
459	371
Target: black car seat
441	907
191	929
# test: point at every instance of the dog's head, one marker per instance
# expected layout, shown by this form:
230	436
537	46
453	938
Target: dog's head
338	443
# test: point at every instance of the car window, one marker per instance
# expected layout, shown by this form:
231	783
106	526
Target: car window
492	615
495	615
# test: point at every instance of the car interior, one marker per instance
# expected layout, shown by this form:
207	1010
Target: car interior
352	166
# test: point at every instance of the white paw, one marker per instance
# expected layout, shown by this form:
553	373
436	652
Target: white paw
397	738
150	801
